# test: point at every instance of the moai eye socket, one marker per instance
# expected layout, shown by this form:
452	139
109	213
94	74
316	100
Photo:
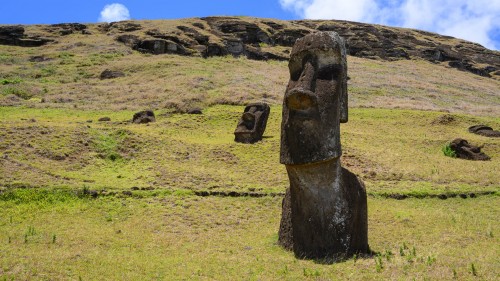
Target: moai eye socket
295	70
328	72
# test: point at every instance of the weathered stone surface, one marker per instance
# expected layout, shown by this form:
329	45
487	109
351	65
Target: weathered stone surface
111	74
287	37
195	110
352	208
252	123
220	36
160	46
464	150
310	109
484	130
39	59
67	28
14	35
129	40
247	32
325	211
121	26
143	117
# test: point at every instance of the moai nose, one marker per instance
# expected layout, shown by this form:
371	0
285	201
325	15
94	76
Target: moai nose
249	120
307	76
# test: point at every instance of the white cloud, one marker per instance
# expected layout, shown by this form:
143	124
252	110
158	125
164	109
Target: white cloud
114	12
472	20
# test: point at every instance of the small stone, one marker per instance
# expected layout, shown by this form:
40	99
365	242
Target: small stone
93	193
110	74
104	119
195	110
143	117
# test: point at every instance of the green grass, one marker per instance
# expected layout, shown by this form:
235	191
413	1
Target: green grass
180	236
394	151
448	151
88	200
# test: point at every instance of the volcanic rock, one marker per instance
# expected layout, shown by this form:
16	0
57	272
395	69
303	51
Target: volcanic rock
144	117
111	74
464	150
484	130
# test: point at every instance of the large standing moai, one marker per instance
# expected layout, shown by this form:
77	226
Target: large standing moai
325	209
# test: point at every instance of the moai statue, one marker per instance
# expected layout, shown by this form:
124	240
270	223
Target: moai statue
252	123
325	209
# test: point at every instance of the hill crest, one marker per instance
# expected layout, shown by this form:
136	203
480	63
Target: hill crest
263	39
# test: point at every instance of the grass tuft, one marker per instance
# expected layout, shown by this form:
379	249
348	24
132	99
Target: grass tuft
447	151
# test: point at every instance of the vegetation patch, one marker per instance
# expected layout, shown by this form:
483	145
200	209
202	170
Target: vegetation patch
448	151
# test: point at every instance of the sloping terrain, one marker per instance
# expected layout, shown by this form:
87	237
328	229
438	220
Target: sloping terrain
263	39
66	72
179	199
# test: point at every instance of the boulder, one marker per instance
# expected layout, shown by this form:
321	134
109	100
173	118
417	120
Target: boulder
67	28
160	46
14	35
143	117
484	130
111	74
464	150
195	110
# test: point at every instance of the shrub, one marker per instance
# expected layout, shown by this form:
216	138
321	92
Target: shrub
21	93
10	81
448	151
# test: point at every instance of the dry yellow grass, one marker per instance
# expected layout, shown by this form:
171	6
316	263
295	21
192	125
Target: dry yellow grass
54	235
71	78
51	230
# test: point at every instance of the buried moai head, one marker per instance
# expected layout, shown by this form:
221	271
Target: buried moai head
315	101
252	123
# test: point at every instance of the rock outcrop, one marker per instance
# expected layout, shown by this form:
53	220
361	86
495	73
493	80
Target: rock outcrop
268	39
14	35
264	39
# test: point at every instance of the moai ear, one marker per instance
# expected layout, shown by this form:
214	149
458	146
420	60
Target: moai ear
343	100
343	88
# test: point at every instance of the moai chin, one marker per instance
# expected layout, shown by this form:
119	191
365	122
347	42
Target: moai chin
252	123
325	209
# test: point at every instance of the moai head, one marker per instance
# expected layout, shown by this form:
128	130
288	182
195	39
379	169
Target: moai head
315	101
252	123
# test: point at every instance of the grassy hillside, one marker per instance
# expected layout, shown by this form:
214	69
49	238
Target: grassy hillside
179	199
66	74
395	151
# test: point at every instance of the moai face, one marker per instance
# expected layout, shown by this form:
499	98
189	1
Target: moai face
253	123
315	101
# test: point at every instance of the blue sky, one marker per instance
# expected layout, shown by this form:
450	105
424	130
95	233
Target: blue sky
473	20
88	11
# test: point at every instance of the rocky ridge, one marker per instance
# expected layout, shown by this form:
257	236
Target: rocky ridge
264	39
